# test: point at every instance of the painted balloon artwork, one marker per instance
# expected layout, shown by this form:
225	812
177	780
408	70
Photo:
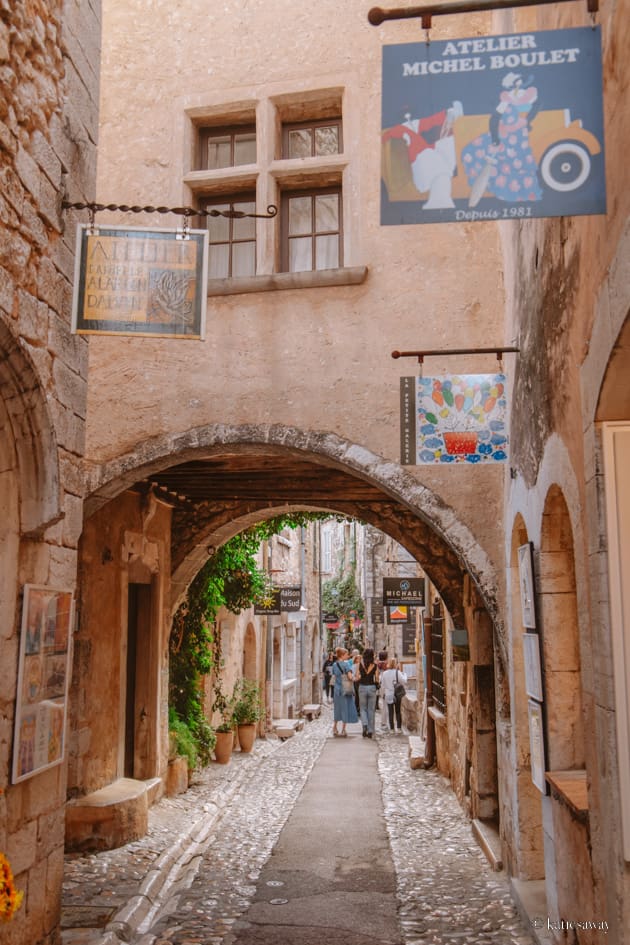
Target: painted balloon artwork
461	418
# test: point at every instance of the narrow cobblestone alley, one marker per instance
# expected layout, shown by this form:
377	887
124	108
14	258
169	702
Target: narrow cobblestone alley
198	877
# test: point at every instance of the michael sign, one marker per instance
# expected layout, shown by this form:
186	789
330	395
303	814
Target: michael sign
408	591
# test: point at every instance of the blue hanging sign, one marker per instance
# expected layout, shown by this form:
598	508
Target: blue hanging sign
493	128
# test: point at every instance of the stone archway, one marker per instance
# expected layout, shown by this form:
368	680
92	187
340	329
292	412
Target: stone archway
408	510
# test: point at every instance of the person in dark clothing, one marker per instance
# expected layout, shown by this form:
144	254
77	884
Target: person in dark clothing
328	682
368	679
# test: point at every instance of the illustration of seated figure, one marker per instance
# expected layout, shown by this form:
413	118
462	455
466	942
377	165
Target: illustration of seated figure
431	152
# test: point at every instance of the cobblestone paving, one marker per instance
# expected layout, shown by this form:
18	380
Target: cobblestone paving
447	893
216	838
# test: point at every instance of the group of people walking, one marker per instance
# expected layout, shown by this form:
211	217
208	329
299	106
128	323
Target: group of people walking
356	683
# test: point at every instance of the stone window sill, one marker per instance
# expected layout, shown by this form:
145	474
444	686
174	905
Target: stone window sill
570	789
354	275
438	717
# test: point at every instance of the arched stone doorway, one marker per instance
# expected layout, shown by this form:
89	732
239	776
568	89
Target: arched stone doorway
565	818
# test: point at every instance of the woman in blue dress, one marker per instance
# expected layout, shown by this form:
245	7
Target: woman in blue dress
500	162
344	709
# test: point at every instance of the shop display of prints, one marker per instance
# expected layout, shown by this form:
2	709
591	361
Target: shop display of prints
43	677
493	128
537	745
458	418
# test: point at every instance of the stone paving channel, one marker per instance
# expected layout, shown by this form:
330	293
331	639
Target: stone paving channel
195	873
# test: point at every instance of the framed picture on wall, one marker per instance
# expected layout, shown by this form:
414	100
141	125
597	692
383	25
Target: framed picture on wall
526	582
43	677
533	674
537	745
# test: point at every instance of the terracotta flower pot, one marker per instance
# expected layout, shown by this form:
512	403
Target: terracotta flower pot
223	747
247	735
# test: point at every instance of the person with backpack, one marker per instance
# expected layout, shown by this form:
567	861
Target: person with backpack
368	682
393	689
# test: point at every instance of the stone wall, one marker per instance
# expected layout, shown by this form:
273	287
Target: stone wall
48	120
569	296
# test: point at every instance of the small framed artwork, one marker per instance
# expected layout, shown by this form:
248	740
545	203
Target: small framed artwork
526	581
533	674
537	745
43	677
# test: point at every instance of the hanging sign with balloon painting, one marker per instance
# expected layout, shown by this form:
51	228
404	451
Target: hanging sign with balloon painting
453	418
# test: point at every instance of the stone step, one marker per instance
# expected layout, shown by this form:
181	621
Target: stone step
416	751
286	728
108	818
311	711
487	836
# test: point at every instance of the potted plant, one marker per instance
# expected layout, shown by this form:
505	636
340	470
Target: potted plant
182	754
224	731
248	710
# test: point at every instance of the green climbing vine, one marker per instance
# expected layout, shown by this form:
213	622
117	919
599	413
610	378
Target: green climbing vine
230	578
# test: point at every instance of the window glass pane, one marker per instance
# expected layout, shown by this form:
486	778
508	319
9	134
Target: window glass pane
219	152
219	262
300	215
244	259
326	212
300	254
245	148
245	228
327	140
300	143
218	227
327	252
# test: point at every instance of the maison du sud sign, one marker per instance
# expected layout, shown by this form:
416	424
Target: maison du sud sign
493	128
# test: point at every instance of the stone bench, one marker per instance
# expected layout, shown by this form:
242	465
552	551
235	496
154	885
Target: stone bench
108	818
416	752
311	711
286	728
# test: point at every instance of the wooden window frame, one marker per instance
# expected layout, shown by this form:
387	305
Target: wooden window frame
311	126
312	192
233	200
206	132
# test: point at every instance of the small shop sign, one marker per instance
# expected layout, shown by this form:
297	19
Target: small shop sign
279	601
136	281
409	591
